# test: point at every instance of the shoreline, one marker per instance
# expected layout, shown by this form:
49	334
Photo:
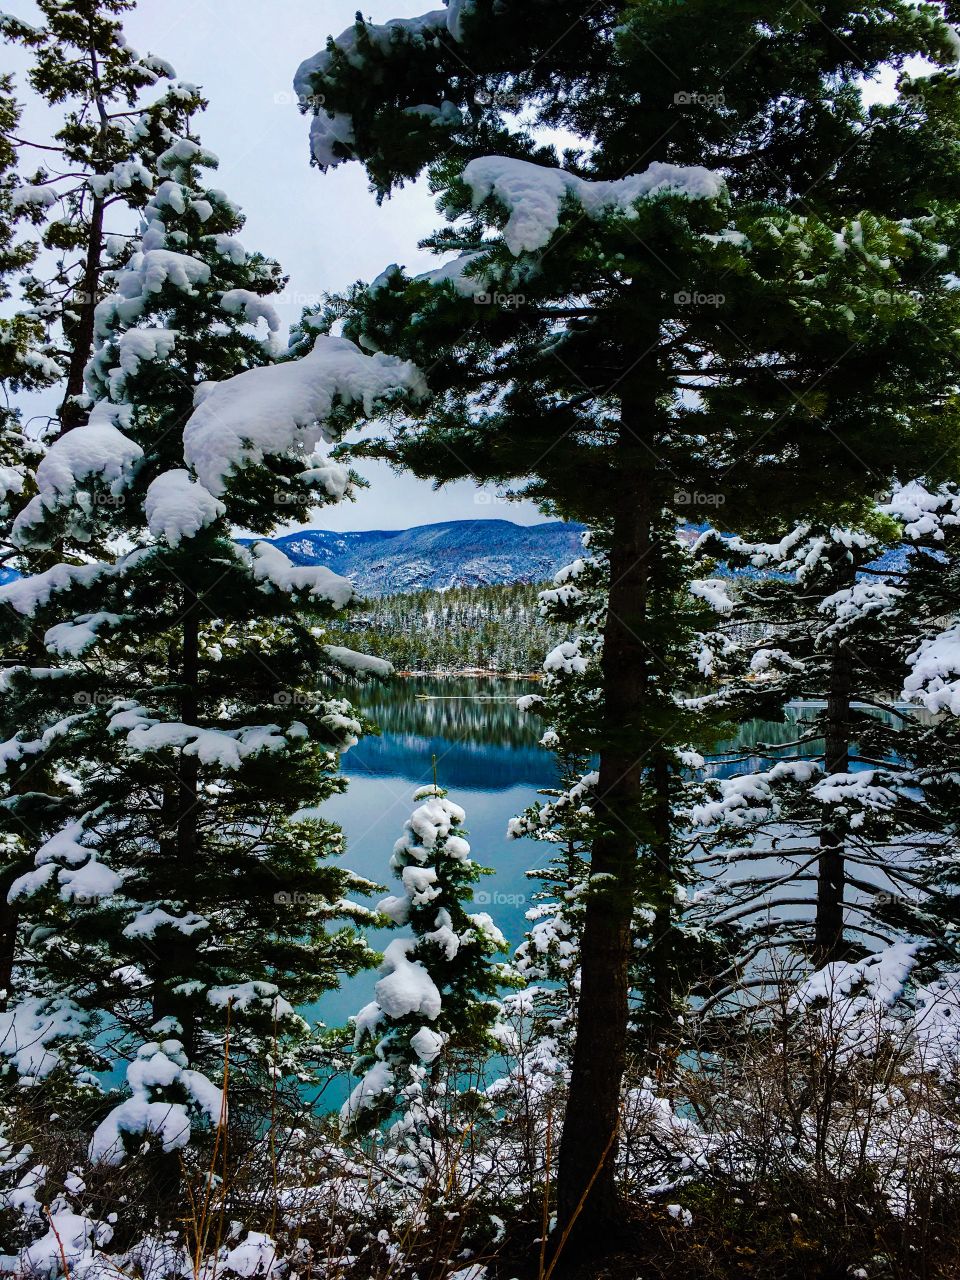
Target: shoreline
470	673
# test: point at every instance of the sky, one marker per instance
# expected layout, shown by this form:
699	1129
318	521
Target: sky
325	229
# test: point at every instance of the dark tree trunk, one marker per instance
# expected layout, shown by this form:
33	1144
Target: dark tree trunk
34	655
586	1190
829	941
659	1012
179	843
81	332
188	775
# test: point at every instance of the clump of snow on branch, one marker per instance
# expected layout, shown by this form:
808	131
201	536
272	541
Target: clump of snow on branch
157	1068
328	129
534	194
99	450
178	507
281	409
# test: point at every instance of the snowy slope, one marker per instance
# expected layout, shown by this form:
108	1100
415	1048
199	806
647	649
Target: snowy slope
455	553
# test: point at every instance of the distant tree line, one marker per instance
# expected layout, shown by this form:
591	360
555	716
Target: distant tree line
496	628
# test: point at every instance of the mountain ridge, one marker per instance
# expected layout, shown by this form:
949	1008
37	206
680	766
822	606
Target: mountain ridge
448	553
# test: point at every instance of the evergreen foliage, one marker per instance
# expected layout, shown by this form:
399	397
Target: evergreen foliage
436	993
103	161
174	747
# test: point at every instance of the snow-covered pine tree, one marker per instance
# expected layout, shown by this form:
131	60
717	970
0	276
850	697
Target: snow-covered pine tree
569	704
95	175
25	365
436	998
97	170
815	616
770	271
850	821
672	953
188	719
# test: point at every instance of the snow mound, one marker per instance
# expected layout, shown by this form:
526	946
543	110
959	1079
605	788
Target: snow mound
178	507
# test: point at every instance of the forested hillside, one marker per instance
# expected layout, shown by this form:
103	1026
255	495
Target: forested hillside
491	628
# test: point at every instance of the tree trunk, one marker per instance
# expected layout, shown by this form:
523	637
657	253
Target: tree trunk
586	1190
179	844
81	335
829	942
188	775
659	1012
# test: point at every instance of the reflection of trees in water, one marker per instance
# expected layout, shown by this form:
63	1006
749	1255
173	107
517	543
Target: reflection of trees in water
474	728
480	711
479	766
762	742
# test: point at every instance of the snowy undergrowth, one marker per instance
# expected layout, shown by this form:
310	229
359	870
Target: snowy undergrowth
827	1111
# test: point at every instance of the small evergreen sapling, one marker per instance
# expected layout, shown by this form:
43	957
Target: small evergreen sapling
436	998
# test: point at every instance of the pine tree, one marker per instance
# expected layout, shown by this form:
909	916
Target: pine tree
25	365
928	578
856	805
435	1001
762	301
102	159
188	721
672	952
822	814
103	162
569	704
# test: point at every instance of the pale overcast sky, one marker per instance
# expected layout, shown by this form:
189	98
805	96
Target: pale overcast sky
325	229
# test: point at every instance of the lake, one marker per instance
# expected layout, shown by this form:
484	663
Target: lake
490	761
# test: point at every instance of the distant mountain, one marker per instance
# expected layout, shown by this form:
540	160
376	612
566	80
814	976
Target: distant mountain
457	553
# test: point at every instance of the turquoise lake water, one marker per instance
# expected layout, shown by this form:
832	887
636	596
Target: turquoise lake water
489	761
